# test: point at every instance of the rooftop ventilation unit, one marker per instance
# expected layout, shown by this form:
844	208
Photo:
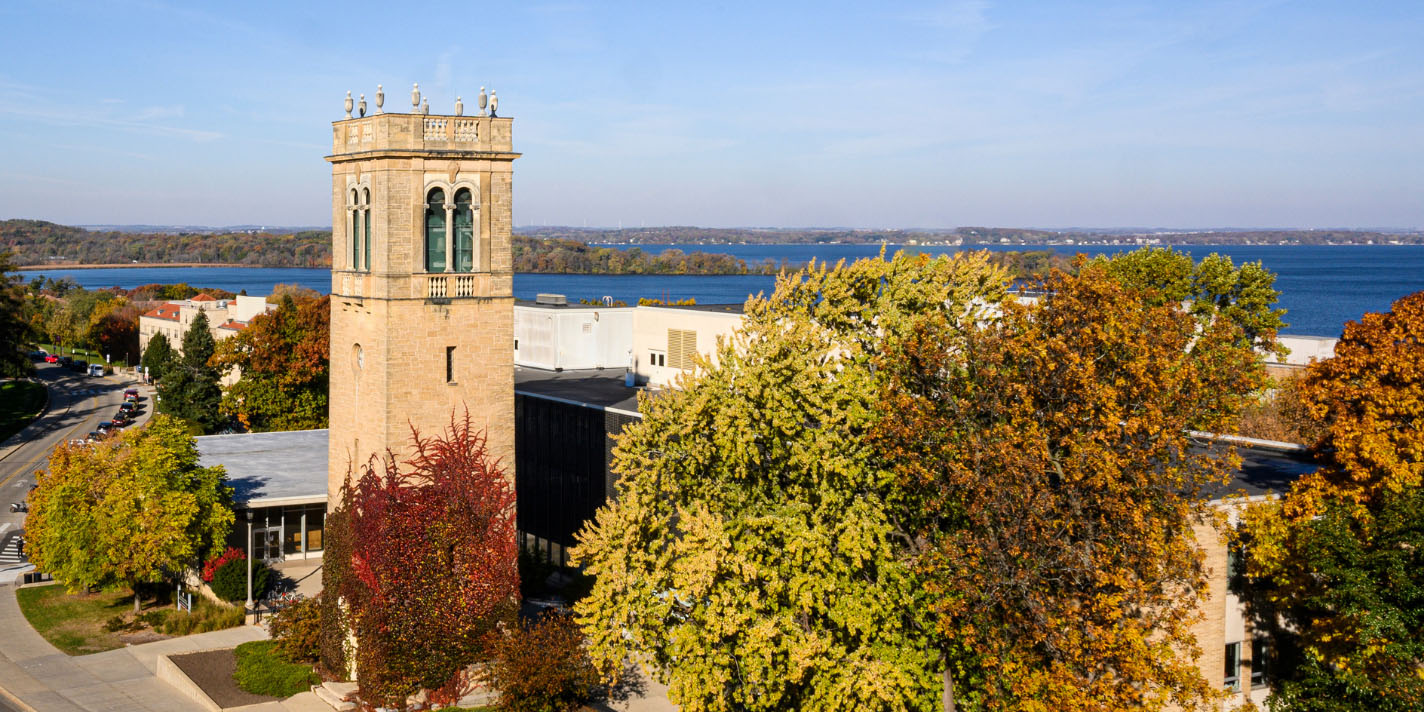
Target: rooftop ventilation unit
557	300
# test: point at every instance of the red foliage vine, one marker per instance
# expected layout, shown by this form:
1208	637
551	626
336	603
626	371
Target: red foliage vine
211	567
432	564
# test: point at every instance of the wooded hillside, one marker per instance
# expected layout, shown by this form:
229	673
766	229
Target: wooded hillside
37	242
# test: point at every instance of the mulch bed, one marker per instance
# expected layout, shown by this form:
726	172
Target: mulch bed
212	672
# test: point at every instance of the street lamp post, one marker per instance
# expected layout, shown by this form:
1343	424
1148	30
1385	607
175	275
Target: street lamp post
249	560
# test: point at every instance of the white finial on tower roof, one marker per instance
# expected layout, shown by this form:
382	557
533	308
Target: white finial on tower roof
424	106
494	103
484	101
348	104
361	106
459	107
380	98
415	98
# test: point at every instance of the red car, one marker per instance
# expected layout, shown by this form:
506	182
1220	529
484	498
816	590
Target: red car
51	358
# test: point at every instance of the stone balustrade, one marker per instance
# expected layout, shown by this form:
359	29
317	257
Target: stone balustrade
421	132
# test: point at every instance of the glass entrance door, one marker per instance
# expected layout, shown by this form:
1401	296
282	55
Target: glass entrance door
267	544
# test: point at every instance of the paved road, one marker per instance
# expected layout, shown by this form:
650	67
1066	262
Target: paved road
77	405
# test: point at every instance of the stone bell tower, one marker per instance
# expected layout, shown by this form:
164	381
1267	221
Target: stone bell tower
421	280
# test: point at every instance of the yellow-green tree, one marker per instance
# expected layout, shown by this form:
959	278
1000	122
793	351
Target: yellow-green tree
1211	289
752	557
1335	565
1051	490
131	509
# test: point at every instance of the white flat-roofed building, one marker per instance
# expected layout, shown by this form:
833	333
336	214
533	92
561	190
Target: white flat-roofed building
666	338
558	337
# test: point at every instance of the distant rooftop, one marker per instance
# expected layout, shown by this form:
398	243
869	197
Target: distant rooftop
266	469
717	308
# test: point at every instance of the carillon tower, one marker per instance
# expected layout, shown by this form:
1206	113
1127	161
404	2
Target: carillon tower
421	279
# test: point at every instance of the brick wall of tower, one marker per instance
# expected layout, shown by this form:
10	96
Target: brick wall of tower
388	308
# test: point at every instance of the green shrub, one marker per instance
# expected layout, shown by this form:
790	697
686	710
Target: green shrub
262	670
542	666
297	629
116	624
230	580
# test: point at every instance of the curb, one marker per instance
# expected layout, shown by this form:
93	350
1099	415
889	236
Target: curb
14	701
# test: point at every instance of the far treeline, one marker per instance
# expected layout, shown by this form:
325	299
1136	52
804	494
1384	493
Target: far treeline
587	251
967	236
36	242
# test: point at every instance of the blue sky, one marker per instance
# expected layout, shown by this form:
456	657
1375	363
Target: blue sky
1052	114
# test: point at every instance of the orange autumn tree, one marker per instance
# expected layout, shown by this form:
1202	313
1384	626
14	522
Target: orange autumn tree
1335	565
1051	491
283	358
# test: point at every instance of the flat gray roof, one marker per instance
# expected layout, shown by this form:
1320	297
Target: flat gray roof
270	468
593	388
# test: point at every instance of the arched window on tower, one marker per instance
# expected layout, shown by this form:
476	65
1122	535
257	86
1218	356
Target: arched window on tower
366	227
464	232
435	231
355	231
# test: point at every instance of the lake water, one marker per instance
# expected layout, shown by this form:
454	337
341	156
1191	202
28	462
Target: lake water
1322	287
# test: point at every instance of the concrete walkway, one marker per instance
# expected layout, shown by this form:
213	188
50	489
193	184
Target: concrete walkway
43	679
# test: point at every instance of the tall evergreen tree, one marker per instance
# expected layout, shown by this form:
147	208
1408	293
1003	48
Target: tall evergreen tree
158	356
190	389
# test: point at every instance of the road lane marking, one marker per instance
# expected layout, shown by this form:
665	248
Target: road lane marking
45	452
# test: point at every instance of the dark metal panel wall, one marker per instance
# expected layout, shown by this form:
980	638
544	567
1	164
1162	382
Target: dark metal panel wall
560	466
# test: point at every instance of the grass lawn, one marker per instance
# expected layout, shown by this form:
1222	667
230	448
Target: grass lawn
90	355
81	623
20	402
263	670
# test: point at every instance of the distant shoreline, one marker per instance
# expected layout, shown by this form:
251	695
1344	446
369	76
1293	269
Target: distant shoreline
133	265
1017	247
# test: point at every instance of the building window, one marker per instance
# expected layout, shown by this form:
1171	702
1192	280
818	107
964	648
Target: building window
1232	677
657	359
681	347
316	518
355	232
1259	653
435	231
449	364
464	232
366	227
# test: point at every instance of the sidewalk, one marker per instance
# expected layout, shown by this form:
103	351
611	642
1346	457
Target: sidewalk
43	679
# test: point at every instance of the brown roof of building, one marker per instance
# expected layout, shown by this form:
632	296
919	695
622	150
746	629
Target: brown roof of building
204	297
167	311
234	325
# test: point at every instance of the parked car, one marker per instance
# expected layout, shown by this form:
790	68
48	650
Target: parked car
128	407
96	369
38	356
66	361
131	393
79	366
78	441
51	358
105	426
94	437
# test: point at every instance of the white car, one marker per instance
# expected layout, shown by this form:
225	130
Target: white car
96	370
